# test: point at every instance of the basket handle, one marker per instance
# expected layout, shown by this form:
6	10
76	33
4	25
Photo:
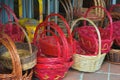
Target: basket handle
43	34
109	17
17	68
28	40
98	33
65	22
56	28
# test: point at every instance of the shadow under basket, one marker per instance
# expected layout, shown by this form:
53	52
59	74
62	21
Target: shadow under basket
28	60
114	55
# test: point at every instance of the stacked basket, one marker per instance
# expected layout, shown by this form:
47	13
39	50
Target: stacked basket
54	56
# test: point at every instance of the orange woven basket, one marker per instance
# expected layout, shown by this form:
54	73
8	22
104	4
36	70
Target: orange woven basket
16	73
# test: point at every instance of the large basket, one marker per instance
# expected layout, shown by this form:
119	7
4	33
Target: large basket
115	13
26	51
12	29
49	67
89	62
86	34
16	73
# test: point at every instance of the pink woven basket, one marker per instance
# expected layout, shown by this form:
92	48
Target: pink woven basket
49	67
115	13
86	34
9	28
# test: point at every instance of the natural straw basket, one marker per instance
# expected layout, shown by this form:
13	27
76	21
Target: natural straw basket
16	73
26	51
88	63
75	9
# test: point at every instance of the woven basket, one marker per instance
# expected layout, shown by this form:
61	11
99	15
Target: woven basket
86	62
16	73
115	13
86	34
30	26
52	67
12	29
74	9
114	55
26	51
68	35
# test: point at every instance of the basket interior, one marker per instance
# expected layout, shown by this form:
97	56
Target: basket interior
22	49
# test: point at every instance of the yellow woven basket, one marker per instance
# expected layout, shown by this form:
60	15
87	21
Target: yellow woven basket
30	26
88	63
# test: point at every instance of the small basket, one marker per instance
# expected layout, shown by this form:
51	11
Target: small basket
16	72
115	13
86	34
12	29
88	62
114	55
26	51
52	67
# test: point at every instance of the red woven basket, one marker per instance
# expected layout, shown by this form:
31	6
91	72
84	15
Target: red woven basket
114	10
12	29
49	67
86	34
51	43
71	42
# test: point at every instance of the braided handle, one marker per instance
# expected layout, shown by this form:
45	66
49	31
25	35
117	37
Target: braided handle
17	69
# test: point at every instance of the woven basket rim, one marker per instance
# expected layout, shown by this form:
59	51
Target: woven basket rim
23	57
